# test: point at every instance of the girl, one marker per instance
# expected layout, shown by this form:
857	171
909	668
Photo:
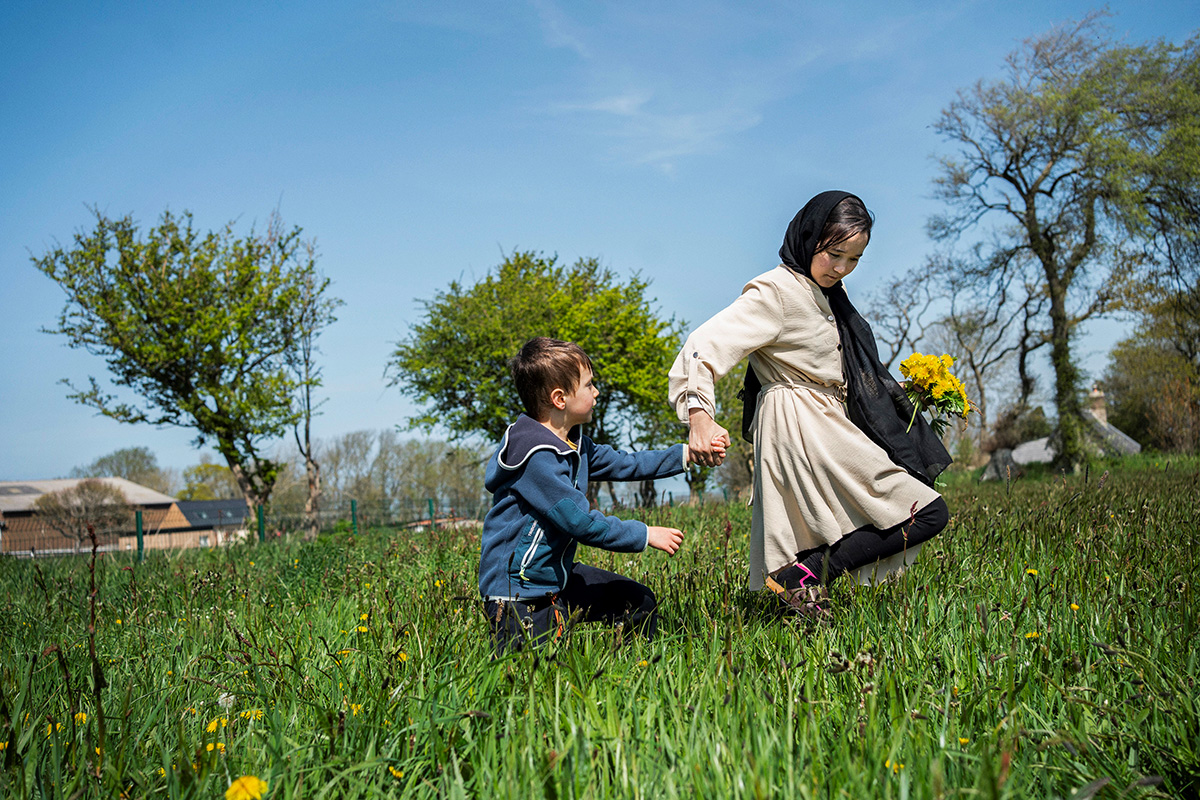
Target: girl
839	483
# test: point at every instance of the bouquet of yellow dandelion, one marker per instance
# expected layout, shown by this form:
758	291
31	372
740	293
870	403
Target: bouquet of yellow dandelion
931	386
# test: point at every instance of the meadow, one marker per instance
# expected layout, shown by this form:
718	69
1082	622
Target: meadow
1043	646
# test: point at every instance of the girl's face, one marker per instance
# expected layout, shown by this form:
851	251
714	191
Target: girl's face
830	266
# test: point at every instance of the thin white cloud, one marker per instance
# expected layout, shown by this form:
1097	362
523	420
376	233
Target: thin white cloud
668	83
558	29
624	105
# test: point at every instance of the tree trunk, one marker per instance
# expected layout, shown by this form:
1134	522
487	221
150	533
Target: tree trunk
648	494
312	503
1070	455
250	492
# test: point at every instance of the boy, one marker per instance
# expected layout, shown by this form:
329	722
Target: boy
538	477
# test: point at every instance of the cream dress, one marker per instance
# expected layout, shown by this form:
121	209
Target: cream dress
817	476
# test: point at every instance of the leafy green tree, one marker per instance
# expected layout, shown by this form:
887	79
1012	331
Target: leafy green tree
199	327
1066	154
90	502
454	363
208	481
137	464
1152	381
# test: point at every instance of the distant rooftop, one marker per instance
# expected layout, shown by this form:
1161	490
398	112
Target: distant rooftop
17	496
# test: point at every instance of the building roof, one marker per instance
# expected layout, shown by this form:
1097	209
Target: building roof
208	513
18	496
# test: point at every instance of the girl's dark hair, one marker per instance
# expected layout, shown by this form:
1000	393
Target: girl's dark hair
847	219
543	365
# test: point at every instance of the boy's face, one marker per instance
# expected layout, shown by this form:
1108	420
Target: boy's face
581	401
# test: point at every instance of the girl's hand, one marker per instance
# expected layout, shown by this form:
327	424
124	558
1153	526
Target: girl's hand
707	441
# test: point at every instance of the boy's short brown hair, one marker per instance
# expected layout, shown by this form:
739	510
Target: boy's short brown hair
543	365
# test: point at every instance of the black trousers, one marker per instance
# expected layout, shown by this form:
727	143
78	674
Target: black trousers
591	595
869	544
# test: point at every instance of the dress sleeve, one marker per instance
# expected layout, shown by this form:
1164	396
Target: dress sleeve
752	321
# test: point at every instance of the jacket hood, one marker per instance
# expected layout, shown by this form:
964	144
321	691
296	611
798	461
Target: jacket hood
523	438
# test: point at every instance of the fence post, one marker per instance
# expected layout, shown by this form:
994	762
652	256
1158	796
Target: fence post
141	542
432	518
262	527
354	516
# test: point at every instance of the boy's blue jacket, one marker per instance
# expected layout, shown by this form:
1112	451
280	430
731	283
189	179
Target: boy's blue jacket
540	511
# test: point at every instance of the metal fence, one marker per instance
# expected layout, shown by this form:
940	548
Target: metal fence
25	536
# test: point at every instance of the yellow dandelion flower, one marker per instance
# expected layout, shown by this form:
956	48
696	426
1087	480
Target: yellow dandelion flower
247	787
218	746
52	729
1074	607
398	774
402	656
1031	635
118	620
1031	572
643	663
363	629
963	740
355	708
364	616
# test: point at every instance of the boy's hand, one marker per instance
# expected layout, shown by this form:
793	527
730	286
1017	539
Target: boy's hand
665	539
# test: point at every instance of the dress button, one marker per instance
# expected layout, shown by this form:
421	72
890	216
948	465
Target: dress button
695	355
830	318
839	347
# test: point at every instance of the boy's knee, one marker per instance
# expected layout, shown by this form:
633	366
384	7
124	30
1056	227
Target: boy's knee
644	615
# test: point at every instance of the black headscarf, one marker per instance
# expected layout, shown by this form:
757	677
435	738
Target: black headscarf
875	402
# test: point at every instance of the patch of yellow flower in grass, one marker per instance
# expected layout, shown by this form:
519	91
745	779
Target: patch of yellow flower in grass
1031	635
963	740
1074	607
255	714
219	722
247	787
398	774
81	718
402	656
218	746
931	386
1032	572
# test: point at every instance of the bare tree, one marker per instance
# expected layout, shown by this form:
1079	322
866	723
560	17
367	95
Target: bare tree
316	312
90	502
902	311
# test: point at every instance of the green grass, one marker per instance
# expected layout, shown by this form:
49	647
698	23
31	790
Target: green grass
1044	645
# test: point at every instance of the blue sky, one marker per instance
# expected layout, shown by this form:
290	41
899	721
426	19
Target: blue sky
420	142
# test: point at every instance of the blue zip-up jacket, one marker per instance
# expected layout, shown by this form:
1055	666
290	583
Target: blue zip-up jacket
540	511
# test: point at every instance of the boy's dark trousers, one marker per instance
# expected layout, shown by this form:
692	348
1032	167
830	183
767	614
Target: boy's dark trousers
591	595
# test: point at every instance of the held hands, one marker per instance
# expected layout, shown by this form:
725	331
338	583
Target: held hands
665	539
707	441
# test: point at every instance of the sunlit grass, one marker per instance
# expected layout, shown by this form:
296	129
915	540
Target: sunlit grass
1046	643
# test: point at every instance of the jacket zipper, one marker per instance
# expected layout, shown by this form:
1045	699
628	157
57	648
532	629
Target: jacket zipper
537	538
